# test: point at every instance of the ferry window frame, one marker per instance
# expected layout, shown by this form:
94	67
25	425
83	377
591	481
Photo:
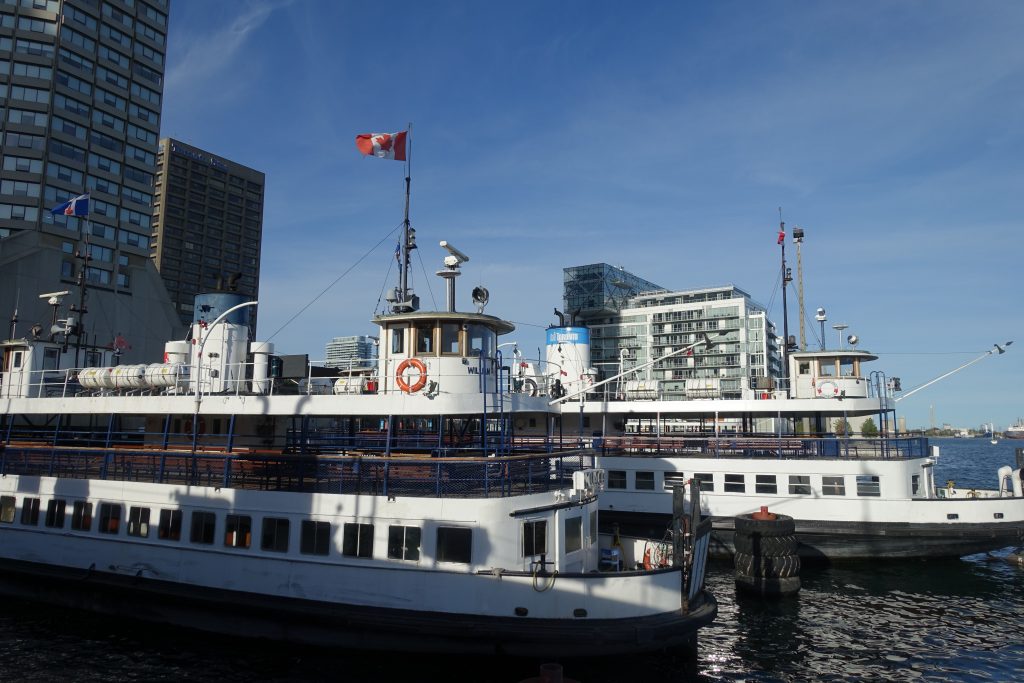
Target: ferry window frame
799	485
446	330
735	483
7	506
138	521
616	479
81	516
535	537
30	511
238	531
869	485
357	540
203	527
454	544
915	484
765	483
672	479
705	480
424	336
404	542
643	480
398	339
480	340
110	518
274	534
573	527
55	509
315	537
169	526
833	485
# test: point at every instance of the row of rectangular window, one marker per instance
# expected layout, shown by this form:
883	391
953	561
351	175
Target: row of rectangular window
798	484
454	544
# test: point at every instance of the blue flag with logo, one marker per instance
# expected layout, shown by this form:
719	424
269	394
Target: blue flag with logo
79	206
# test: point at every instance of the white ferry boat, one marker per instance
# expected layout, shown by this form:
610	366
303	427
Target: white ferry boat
851	496
1015	431
221	490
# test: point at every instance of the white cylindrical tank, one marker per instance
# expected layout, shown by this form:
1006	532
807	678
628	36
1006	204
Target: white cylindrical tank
568	359
105	378
89	378
177	351
261	352
167	375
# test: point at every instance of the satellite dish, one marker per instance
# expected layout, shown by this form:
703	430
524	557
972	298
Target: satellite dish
853	339
480	297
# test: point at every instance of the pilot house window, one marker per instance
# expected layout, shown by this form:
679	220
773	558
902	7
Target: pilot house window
424	339
450	338
535	538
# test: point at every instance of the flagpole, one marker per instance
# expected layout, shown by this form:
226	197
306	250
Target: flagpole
404	300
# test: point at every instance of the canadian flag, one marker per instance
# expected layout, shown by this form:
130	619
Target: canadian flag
383	145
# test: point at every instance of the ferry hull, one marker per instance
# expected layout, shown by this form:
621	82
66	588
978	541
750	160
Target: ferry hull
312	622
826	540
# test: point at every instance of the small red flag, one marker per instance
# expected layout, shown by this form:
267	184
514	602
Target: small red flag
383	145
782	236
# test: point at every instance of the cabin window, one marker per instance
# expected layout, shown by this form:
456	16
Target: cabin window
55	513
450	338
203	526
170	526
480	339
533	422
735	483
868	485
454	544
826	368
765	483
424	338
535	537
593	527
616	479
803	368
138	522
81	516
16	361
315	538
110	518
275	535
574	534
238	531
357	540
398	339
30	511
706	480
7	509
50	358
644	481
833	486
674	479
404	542
799	485
915	483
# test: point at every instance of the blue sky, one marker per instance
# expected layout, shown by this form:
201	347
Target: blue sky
662	137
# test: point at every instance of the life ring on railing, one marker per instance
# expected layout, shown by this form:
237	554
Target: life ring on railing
823	391
421	380
530	387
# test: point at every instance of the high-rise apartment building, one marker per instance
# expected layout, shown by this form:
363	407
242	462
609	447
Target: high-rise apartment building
81	88
632	322
351	353
207	225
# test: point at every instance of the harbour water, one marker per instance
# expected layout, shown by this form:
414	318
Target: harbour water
950	620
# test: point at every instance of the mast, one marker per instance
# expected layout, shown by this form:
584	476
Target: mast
405	299
83	279
786	279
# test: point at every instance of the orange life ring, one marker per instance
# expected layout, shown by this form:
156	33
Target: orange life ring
403	383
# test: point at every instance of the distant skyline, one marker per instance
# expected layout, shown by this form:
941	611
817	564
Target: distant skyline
662	137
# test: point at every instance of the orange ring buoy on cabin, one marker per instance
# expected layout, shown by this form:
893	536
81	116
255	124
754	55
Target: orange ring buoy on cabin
403	383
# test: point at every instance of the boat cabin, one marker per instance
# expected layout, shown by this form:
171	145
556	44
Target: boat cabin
828	374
